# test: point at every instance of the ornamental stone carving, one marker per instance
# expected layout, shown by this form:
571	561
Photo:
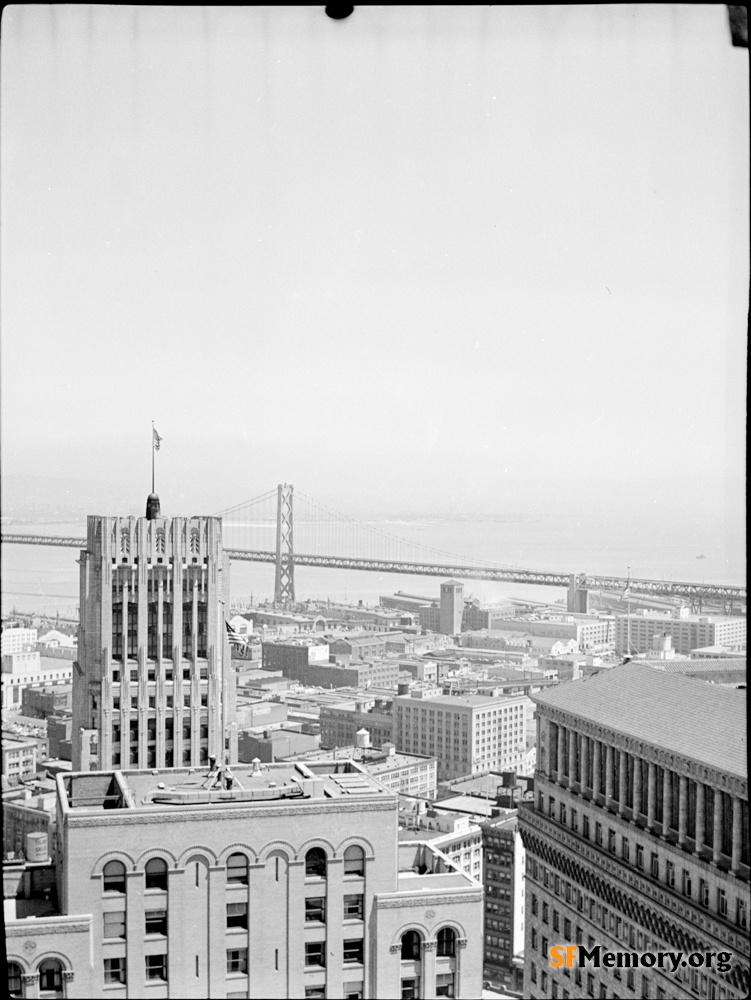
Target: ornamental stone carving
395	948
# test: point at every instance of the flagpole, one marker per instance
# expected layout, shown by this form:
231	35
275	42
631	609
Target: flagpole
153	490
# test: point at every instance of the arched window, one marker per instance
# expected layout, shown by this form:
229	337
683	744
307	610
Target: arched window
446	942
411	941
237	869
156	874
354	861
114	876
50	976
15	986
315	863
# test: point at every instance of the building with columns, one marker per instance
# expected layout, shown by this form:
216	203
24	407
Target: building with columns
638	839
274	881
152	685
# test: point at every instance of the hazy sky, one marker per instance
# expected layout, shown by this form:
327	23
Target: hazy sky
486	253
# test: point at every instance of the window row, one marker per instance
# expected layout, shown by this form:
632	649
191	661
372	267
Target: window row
664	871
353	953
315	908
642	987
50	977
316	861
412	941
155	966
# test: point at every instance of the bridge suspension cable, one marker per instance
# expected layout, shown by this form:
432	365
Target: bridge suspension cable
246	503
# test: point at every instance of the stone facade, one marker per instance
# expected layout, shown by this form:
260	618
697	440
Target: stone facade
152	686
230	896
636	847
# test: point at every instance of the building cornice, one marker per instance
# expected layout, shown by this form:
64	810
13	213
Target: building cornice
26	928
133	817
733	784
428	898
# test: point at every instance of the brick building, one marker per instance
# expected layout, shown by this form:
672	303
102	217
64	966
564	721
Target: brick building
341	723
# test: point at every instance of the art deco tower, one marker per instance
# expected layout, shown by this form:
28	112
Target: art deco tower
152	686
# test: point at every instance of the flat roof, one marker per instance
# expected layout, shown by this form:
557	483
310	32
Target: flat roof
176	788
701	722
461	700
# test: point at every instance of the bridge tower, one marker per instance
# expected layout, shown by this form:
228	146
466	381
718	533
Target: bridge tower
284	581
578	596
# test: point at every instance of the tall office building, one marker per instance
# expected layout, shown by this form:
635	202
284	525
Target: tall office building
452	607
638	841
503	875
152	685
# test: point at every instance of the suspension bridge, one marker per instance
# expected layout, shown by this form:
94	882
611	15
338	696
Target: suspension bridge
288	528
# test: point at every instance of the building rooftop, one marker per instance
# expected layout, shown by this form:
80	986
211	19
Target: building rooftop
243	784
377	761
461	701
697	665
701	722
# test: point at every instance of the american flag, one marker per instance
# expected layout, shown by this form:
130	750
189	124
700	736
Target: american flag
157	439
235	637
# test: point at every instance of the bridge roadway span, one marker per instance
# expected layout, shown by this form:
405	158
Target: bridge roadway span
657	588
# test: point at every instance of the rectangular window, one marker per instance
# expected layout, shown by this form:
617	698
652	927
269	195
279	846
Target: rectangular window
237	960
114	924
741	917
670	874
237	915
611	841
654	866
625	850
639	856
444	985
703	892
353	951
411	988
722	903
352	991
315	953
354	907
156	967
315	909
114	970
686	883
156	921
598	833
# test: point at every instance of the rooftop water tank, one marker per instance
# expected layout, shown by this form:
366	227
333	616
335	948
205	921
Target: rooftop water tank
37	847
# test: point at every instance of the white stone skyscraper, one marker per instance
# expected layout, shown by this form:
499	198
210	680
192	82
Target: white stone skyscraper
152	685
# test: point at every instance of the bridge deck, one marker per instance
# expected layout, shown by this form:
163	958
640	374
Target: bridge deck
663	588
